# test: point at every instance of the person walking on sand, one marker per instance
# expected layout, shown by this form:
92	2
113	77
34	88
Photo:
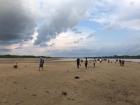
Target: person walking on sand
78	62
86	63
94	63
41	63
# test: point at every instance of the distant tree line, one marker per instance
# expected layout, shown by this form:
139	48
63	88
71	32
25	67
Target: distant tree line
20	56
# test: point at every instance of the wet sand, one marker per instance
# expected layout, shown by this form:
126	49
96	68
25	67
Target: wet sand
106	84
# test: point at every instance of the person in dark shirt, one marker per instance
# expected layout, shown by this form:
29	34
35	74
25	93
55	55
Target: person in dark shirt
120	62
41	63
78	62
94	63
86	63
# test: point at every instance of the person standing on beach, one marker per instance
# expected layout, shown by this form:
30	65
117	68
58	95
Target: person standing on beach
86	63
123	62
108	61
120	62
100	60
94	63
41	63
78	62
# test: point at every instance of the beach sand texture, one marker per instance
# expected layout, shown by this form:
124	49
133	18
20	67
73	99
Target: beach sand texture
106	84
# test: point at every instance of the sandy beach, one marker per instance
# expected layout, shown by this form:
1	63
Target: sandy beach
106	84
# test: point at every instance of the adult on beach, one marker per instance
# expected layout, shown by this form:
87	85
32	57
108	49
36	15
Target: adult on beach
100	60
94	63
41	63
78	62
86	63
122	62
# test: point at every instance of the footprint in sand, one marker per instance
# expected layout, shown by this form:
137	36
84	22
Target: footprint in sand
113	80
47	91
25	88
71	99
34	95
15	82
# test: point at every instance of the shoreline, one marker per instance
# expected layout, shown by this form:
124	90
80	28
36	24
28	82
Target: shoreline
36	60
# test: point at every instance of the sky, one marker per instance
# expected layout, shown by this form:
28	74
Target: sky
70	28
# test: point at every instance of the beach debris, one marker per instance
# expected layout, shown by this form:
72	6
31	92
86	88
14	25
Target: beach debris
34	95
15	66
25	88
64	93
47	91
77	77
18	103
72	99
113	80
15	82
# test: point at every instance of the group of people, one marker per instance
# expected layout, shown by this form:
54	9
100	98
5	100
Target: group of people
85	62
79	61
121	62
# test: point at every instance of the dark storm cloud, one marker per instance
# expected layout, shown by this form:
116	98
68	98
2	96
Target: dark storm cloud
3	50
17	20
16	23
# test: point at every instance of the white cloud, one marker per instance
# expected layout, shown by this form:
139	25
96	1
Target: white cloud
65	41
71	40
117	14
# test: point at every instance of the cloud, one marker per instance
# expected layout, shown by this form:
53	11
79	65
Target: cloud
122	14
102	51
17	21
59	16
4	50
57	26
70	39
37	21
